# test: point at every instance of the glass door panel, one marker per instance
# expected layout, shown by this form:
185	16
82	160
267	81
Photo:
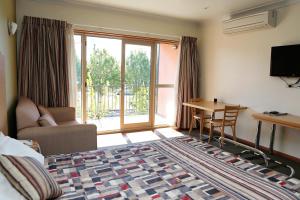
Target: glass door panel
116	80
103	82
166	68
136	83
78	46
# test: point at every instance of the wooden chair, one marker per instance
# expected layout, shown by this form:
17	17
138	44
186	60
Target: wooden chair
229	120
197	116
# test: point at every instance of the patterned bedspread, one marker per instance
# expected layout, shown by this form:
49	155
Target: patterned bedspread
178	168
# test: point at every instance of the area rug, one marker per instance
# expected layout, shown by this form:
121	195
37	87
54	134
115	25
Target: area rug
177	168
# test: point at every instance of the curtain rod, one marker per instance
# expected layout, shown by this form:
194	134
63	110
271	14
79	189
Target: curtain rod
174	37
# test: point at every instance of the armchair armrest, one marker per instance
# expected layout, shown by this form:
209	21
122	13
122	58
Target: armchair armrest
62	139
62	114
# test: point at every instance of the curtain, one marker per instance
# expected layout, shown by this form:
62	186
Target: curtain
71	65
188	79
43	62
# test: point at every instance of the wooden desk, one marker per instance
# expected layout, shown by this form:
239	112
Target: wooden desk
209	106
290	121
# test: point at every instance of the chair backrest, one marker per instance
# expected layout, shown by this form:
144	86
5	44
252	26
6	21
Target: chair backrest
231	113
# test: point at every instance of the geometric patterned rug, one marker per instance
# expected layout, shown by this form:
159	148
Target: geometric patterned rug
177	168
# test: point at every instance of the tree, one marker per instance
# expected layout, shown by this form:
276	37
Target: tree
138	79
138	69
103	71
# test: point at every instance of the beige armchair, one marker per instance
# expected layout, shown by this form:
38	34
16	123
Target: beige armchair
67	137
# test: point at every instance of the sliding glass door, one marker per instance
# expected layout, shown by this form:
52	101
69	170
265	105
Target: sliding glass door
115	83
124	84
137	85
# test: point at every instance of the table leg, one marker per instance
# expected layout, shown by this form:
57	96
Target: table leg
212	115
193	112
272	138
201	123
258	135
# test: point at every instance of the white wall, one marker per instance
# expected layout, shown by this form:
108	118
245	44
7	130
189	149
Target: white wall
235	69
105	17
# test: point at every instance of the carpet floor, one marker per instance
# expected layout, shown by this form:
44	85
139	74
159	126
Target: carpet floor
236	149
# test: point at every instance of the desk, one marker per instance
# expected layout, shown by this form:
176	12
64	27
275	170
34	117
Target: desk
290	121
205	105
210	106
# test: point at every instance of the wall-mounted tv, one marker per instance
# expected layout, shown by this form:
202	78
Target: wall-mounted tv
285	61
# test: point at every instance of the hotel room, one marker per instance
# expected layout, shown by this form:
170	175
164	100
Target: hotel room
194	99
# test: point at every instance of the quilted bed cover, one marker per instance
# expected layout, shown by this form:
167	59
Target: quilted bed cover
177	168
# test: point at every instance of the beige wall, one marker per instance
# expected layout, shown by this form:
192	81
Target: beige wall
235	69
104	17
8	49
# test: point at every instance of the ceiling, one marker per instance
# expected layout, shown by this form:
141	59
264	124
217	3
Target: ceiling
194	10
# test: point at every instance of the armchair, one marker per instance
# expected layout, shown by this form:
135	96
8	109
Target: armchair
67	137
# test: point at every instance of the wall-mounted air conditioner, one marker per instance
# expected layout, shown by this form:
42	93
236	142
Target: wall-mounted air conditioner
250	22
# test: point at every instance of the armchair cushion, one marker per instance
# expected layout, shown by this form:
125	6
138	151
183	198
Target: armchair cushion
43	110
46	120
27	114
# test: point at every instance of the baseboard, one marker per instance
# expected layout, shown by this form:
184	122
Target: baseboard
263	148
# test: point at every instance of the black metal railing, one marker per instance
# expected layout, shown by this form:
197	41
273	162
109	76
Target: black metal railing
104	101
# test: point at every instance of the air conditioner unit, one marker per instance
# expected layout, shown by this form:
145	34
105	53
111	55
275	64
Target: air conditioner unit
250	22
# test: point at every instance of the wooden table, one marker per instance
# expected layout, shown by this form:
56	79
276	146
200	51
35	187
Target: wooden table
209	106
290	121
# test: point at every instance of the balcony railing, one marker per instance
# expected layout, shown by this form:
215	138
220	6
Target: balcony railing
104	101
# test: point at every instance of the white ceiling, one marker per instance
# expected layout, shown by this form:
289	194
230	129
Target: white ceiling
195	10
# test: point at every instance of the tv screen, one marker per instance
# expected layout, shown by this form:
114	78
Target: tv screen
285	61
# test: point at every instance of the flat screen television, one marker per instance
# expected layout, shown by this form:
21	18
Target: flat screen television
285	61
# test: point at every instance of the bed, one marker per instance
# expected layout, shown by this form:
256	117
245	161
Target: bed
176	168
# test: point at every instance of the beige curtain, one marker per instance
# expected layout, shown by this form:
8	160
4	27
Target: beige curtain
43	62
71	65
188	79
